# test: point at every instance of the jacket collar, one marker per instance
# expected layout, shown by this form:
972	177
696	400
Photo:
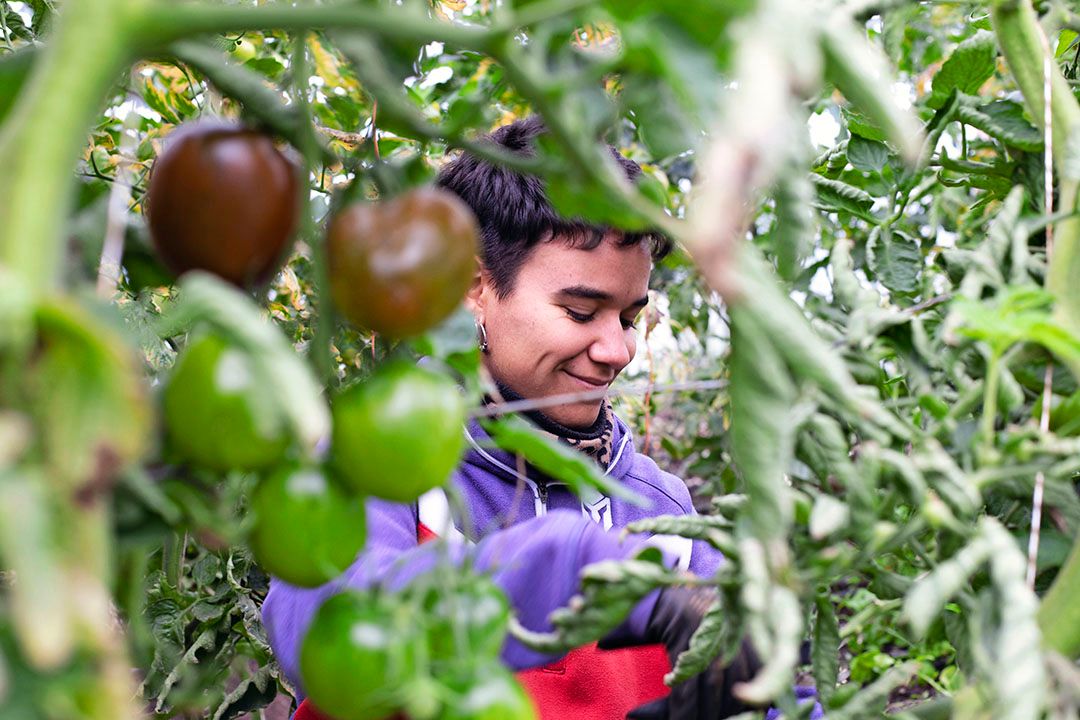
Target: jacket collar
482	453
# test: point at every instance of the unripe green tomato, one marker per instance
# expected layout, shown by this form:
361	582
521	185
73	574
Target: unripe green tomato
243	50
306	529
490	692
399	433
216	412
356	657
476	613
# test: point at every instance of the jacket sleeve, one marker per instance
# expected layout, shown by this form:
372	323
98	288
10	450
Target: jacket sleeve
536	562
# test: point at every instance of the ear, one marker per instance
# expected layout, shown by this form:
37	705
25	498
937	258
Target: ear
476	297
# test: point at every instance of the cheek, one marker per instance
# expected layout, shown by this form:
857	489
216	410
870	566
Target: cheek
631	344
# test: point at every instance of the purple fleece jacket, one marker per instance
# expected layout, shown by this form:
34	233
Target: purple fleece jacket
534	542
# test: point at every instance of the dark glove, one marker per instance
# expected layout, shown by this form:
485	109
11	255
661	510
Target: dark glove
707	696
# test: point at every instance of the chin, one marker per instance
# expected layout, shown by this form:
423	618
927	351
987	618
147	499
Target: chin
577	417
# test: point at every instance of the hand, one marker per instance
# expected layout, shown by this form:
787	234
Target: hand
708	695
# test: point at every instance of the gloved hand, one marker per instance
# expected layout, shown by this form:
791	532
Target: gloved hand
707	696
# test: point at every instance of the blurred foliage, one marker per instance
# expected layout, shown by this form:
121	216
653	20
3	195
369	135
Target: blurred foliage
886	425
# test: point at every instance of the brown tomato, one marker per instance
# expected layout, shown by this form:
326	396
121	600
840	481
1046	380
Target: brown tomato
401	266
223	199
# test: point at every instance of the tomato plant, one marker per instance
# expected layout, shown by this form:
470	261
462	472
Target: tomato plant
379	425
400	266
875	302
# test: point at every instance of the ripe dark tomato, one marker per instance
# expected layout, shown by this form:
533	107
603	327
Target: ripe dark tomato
306	530
399	433
356	657
223	199
474	612
488	691
399	267
216	413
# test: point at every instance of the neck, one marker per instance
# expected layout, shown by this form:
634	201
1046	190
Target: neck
553	426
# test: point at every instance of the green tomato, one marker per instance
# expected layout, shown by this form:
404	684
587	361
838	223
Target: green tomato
217	415
475	613
306	529
243	50
356	657
489	692
399	433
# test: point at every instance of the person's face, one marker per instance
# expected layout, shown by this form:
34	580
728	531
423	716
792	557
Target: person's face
567	325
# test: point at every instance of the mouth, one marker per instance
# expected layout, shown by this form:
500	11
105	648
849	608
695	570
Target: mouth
589	382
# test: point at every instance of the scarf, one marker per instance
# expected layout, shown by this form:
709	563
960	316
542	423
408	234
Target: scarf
594	441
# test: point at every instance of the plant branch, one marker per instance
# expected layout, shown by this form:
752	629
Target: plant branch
165	22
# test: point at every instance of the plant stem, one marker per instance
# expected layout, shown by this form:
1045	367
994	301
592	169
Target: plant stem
1020	36
309	150
41	139
165	22
990	392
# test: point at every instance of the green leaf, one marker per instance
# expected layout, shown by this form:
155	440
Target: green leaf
705	644
825	655
762	436
929	594
1003	120
861	125
836	196
14	69
556	460
867	155
896	260
609	590
793	232
713	529
971	64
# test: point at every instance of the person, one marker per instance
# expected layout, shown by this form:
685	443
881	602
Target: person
555	302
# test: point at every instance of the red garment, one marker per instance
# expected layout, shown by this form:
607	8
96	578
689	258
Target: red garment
586	684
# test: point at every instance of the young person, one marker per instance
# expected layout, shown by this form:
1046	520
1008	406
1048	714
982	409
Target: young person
555	303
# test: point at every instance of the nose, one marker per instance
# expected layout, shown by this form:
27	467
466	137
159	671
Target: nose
612	345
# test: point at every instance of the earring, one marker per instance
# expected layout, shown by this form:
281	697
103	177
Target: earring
481	336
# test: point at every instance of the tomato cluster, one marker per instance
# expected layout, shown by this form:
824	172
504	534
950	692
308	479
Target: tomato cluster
224	199
430	650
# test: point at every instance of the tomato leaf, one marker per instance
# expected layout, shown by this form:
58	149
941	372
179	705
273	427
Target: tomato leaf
971	64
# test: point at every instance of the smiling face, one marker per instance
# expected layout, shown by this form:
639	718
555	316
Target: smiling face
567	325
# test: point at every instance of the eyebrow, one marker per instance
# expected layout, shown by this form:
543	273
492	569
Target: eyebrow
588	293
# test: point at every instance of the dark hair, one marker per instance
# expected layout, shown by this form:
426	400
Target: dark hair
514	211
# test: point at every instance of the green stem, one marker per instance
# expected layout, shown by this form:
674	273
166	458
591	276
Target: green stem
166	22
41	139
1021	40
990	393
309	151
586	157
